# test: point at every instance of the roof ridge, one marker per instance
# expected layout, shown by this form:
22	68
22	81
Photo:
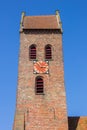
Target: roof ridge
40	15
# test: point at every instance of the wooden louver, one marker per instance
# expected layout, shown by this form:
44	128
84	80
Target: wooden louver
48	53
32	52
39	85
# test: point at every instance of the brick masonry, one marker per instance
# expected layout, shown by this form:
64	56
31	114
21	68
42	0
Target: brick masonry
41	112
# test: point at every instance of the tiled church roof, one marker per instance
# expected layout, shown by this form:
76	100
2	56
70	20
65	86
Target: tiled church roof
40	22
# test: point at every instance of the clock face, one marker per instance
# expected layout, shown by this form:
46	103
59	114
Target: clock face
41	67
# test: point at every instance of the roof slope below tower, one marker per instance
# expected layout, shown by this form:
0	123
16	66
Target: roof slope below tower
77	123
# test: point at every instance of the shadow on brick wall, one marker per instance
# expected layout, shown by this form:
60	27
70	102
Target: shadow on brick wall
73	122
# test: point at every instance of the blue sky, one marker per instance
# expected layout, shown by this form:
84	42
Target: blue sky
74	19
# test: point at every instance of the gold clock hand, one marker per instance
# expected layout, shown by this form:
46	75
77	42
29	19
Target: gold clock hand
43	66
38	64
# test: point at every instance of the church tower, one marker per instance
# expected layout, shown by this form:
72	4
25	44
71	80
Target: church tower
41	99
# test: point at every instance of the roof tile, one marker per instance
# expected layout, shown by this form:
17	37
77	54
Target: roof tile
40	22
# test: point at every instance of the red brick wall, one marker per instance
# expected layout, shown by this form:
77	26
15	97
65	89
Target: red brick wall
48	111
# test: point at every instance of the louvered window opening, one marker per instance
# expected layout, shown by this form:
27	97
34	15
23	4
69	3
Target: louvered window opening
32	52
39	86
48	53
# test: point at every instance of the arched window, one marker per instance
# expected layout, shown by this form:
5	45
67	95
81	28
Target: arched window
32	52
48	52
39	85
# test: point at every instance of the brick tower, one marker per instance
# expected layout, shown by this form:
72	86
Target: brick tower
41	99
